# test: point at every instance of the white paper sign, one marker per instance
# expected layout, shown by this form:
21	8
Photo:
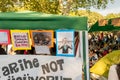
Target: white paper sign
32	67
3	37
42	49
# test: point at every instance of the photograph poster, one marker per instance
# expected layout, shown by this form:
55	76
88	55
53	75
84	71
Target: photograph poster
42	37
20	39
4	37
42	40
65	42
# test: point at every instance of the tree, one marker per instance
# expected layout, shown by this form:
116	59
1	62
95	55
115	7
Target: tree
111	15
92	16
46	6
73	5
5	5
52	6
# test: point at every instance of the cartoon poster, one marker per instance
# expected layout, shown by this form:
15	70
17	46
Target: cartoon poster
4	37
65	42
20	39
42	37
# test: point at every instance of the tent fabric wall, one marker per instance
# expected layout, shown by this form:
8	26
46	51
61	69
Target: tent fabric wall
36	20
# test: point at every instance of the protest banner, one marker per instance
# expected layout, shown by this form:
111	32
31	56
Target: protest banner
19	67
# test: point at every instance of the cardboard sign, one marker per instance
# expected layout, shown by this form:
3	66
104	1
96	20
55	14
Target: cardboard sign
20	39
102	22
32	67
4	37
116	22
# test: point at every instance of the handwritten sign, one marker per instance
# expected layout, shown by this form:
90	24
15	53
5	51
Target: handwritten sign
31	67
20	39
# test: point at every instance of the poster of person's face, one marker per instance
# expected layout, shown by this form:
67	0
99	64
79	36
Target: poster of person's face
4	37
42	37
20	39
65	42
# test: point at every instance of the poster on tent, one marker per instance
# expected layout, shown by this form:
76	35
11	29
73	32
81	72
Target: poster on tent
65	42
4	37
42	40
42	37
20	39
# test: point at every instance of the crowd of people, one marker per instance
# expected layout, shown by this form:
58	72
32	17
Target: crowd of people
102	43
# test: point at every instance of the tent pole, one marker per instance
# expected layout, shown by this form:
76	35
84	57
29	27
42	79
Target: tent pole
85	55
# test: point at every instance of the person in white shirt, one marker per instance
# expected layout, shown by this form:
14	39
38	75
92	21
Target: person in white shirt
118	70
113	73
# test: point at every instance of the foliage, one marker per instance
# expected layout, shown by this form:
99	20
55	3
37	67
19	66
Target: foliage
6	5
51	6
92	16
111	15
45	6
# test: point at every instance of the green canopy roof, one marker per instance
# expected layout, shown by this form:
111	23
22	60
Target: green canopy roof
36	20
107	27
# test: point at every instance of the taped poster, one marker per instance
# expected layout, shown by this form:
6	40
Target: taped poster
65	42
20	39
42	37
4	37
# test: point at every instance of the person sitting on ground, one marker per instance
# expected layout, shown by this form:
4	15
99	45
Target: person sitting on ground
114	72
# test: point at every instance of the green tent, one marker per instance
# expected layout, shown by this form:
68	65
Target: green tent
41	21
107	27
35	20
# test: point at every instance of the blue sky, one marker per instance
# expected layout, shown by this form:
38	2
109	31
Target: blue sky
111	8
